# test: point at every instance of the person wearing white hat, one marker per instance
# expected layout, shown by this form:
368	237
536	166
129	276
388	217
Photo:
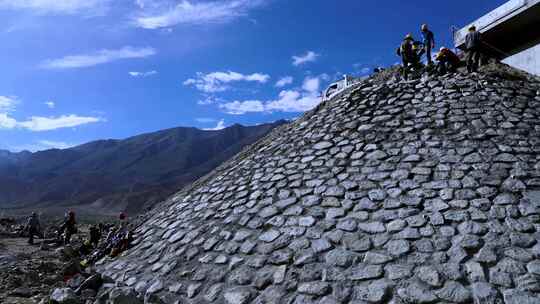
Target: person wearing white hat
447	61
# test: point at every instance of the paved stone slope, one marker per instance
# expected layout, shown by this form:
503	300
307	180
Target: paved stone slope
418	192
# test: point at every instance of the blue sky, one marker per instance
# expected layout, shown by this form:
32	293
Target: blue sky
74	71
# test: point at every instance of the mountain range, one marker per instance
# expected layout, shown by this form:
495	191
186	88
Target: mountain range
119	175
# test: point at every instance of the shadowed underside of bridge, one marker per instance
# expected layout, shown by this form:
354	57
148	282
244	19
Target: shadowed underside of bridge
511	33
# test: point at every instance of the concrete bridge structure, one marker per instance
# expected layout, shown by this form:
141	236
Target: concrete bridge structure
511	34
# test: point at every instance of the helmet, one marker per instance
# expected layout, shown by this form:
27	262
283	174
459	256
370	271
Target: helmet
442	49
472	28
424	27
409	36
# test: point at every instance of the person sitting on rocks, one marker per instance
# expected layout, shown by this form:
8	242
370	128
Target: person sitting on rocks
122	243
111	234
85	248
447	60
117	242
33	227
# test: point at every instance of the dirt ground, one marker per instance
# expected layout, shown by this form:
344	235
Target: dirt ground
28	273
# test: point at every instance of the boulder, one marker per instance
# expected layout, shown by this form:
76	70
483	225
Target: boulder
71	269
93	282
124	295
23	292
64	296
75	281
66	253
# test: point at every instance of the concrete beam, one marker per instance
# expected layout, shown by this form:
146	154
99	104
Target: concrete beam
507	30
528	60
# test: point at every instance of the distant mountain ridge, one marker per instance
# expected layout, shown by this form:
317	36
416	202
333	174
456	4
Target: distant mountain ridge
112	175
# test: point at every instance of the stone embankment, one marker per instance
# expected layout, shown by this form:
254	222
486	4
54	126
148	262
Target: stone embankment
424	191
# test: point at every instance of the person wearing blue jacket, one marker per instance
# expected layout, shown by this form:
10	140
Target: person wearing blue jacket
429	42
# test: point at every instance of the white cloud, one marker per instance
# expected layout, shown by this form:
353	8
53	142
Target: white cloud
7	103
311	84
141	3
58	7
50	104
204	120
209	100
310	56
42	145
288	100
216	81
142	74
192	12
294	101
220	125
7	122
241	107
37	123
284	81
55	144
100	57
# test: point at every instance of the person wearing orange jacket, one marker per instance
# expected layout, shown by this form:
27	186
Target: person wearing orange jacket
447	60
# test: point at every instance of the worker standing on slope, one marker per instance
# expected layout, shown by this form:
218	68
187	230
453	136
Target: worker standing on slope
95	235
447	60
429	42
69	227
409	57
473	42
33	227
123	221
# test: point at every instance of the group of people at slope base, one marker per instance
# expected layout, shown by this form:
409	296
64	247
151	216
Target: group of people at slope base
118	237
64	231
411	52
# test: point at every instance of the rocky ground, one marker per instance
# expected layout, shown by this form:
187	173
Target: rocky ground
30	273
